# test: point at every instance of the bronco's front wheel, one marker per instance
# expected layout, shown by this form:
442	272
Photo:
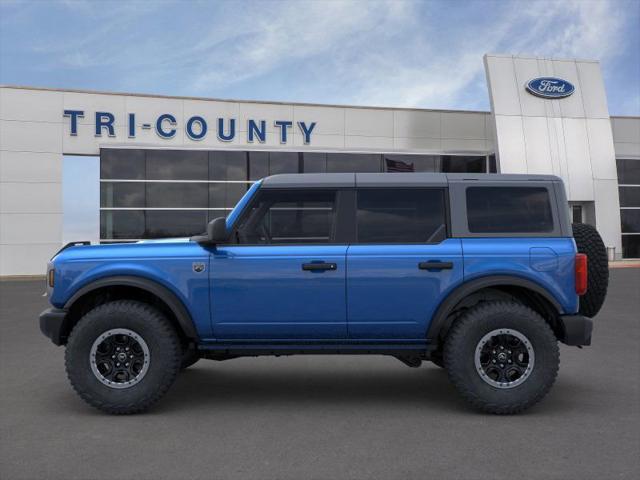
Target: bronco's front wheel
123	356
502	357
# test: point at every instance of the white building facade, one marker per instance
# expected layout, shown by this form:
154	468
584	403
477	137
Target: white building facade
164	166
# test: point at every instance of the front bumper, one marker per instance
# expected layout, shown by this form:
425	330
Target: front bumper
576	330
54	325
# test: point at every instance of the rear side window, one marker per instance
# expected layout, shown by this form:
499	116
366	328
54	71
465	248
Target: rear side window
509	210
401	216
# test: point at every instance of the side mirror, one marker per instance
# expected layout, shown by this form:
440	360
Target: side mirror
217	230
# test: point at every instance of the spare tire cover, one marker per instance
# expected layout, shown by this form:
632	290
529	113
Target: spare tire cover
589	242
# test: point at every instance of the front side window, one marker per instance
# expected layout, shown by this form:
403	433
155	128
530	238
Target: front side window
289	217
388	215
509	210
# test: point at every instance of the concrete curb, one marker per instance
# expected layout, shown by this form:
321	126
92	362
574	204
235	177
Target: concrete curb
625	264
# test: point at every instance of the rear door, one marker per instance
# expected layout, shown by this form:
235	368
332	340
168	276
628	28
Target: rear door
285	276
402	263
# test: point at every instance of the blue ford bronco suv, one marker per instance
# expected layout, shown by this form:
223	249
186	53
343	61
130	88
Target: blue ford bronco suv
479	274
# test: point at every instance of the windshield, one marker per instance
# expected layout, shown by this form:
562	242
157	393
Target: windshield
237	210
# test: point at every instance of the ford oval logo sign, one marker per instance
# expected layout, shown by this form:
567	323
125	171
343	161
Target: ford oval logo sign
550	87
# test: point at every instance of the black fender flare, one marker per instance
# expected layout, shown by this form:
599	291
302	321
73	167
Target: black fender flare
176	305
440	320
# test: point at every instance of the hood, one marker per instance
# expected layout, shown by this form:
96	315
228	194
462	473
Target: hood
136	250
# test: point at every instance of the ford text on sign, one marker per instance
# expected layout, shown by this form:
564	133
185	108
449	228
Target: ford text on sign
550	87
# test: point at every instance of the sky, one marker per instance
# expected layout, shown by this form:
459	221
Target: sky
424	54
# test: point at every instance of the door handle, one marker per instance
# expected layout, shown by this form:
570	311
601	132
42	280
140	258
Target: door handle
319	266
435	265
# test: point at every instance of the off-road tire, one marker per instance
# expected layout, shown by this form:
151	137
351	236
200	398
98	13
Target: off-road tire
164	359
465	335
589	242
190	356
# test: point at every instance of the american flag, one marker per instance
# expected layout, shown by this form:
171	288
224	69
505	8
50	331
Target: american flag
398	166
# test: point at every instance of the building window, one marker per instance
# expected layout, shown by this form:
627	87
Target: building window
166	165
464	164
164	193
283	162
631	246
576	213
354	162
227	166
629	197
314	162
493	164
411	163
123	164
628	171
629	192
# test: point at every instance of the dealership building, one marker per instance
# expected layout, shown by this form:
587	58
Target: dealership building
162	166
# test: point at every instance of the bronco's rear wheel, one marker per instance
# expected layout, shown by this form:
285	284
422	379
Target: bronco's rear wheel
502	357
589	242
122	356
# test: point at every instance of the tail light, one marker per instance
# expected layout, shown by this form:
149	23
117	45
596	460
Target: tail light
581	273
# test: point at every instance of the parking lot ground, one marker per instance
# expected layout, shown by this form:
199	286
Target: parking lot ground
322	417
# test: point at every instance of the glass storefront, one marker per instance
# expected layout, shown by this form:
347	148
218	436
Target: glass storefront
174	193
629	189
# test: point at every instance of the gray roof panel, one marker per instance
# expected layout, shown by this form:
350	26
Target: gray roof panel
499	177
310	180
417	179
401	179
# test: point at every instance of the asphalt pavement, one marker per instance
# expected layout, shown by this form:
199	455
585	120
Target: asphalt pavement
321	417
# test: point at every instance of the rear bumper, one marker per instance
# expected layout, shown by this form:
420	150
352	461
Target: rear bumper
54	325
576	330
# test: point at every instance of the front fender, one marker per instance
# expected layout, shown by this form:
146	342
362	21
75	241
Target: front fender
169	297
74	276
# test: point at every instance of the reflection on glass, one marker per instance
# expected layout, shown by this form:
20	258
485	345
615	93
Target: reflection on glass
258	165
353	162
411	163
128	195
177	195
177	165
122	164
121	224
226	195
170	223
314	162
228	165
283	162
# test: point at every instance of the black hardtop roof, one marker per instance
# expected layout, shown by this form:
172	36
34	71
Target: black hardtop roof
418	179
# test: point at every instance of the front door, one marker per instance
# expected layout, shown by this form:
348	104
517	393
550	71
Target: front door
402	264
284	277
